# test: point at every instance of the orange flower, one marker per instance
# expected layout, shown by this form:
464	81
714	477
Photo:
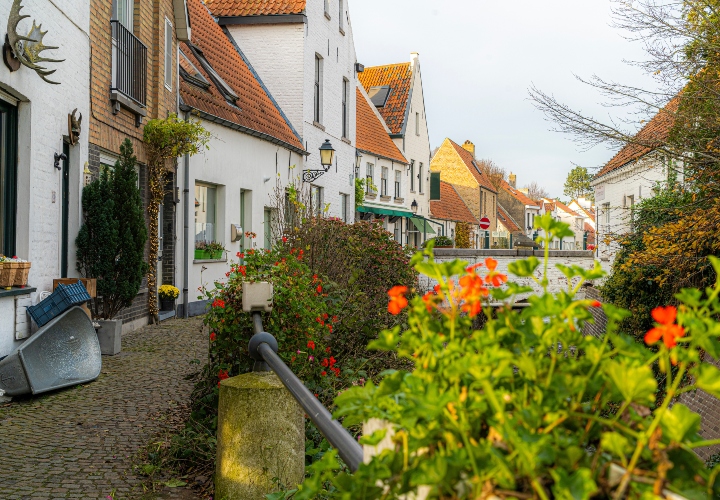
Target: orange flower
397	302
472	291
666	329
491	263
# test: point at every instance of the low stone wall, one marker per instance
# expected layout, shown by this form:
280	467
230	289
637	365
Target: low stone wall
557	280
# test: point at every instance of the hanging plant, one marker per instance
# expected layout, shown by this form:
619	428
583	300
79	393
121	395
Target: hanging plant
165	140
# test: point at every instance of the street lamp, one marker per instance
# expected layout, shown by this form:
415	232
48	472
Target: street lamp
414	207
358	162
327	153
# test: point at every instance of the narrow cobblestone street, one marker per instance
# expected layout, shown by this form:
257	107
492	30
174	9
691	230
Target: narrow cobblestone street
79	442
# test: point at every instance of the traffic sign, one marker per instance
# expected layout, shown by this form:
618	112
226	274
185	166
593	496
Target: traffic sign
484	223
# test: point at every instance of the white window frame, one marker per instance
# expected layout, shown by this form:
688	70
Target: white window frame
341	15
345	108
398	184
216	236
384	181
126	17
417	123
344	207
369	177
316	197
168	54
318	90
420	179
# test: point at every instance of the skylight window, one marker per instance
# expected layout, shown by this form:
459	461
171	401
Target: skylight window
379	95
191	74
222	86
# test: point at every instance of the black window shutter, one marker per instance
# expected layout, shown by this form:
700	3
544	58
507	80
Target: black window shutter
434	185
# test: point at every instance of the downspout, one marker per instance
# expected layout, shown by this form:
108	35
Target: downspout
186	228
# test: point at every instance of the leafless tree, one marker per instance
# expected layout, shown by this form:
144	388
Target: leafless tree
536	191
494	171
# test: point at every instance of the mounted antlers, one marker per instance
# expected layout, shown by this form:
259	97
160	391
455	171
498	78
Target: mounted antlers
27	49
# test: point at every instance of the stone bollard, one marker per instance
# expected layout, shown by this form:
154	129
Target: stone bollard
261	436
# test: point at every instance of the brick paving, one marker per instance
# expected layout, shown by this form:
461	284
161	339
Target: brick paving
79	442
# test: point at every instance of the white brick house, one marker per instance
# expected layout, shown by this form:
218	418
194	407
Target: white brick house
39	204
303	52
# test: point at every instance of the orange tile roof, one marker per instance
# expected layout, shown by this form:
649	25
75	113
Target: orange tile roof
506	220
519	195
450	206
565	208
473	167
650	137
254	109
399	78
372	137
238	8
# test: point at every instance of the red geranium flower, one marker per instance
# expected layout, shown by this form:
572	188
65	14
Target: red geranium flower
323	374
397	302
666	329
595	303
325	362
219	303
284	239
213	337
311	345
319	289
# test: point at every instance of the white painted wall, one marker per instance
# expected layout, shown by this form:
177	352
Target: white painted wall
43	111
234	162
612	199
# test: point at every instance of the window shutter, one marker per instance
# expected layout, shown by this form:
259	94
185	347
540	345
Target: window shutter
434	185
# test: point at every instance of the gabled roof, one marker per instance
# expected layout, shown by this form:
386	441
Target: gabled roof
372	136
254	111
557	204
399	78
506	219
650	137
473	167
240	8
588	212
518	195
450	206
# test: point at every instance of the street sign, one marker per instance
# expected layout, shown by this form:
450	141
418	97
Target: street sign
484	223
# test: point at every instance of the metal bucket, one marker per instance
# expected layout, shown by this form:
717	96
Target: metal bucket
63	353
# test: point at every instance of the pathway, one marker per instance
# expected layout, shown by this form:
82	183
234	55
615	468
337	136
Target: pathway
79	442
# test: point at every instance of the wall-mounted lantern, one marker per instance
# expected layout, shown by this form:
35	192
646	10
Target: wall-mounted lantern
414	207
327	155
358	162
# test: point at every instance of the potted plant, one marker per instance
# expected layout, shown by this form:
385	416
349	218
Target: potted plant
168	294
208	250
201	252
111	245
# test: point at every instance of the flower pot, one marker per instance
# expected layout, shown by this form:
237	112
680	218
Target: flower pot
8	270
167	304
22	273
202	255
109	334
218	255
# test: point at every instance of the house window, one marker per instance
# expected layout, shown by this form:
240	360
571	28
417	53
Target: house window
398	177
606	213
529	221
316	197
168	53
327	9
412	176
384	181
205	213
420	178
345	114
417	123
341	16
245	215
8	178
344	207
369	178
123	12
317	115
397	232
267	228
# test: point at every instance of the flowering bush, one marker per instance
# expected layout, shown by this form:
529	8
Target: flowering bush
168	292
527	407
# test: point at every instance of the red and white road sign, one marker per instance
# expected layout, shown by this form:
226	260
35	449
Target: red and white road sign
484	223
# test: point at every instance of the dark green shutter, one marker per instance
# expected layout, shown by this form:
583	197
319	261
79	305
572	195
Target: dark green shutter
434	185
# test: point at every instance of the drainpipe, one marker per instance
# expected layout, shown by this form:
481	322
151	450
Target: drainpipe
186	223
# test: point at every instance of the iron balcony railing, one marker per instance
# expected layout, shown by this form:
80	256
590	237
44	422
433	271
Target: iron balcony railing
263	349
129	60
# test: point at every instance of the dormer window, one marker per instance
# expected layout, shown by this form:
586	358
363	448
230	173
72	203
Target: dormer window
191	74
226	90
379	95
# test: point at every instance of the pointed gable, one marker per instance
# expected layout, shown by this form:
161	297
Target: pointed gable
398	77
241	8
473	167
372	136
223	86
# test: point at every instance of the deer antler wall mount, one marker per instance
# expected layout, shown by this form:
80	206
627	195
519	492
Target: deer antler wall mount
25	50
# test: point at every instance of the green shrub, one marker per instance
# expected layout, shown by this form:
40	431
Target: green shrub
439	241
519	409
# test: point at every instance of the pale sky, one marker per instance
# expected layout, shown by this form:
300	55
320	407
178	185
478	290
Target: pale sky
478	59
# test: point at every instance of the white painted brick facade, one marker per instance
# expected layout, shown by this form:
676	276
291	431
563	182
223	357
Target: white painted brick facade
43	115
285	62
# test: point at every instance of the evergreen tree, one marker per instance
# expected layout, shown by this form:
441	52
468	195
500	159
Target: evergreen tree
577	184
111	242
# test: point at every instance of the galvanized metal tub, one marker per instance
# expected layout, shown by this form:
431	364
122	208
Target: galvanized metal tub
63	353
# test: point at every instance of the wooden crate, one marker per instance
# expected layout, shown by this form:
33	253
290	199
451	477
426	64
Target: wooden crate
89	283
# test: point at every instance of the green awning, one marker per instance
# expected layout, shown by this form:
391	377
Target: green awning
422	225
385	211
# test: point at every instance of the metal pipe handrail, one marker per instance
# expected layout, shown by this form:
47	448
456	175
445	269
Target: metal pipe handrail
263	349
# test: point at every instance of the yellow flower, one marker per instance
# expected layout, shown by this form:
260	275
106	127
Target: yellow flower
168	292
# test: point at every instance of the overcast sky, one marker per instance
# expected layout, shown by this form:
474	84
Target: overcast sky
478	59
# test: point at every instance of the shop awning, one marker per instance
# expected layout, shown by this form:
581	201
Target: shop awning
422	225
385	211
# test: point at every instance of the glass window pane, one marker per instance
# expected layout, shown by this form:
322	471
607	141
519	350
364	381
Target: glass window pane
3	177
205	212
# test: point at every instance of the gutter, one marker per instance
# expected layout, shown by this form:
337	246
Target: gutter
394	160
264	19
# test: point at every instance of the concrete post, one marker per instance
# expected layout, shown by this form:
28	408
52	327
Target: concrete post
261	436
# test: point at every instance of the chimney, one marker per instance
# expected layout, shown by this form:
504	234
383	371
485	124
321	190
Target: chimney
470	147
512	180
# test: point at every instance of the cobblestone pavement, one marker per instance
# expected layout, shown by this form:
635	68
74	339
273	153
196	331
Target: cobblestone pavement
79	442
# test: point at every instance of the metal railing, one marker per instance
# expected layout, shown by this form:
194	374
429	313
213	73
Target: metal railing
263	349
129	64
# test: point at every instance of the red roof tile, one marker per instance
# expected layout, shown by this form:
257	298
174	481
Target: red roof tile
519	195
372	137
473	167
450	206
399	78
650	137
506	220
254	109
237	8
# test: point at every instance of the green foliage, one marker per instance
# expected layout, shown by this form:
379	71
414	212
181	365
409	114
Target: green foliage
577	184
439	241
359	192
111	242
462	235
520	407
